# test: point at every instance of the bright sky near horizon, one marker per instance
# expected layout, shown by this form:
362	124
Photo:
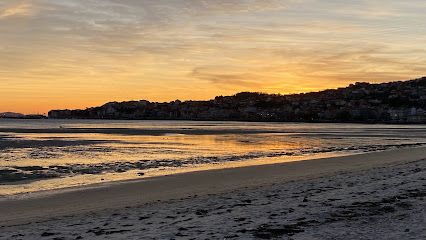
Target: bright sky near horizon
57	54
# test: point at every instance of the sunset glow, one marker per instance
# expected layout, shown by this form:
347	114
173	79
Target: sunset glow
57	54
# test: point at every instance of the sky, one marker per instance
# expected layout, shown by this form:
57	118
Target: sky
57	54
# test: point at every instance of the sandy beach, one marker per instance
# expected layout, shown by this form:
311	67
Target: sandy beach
378	195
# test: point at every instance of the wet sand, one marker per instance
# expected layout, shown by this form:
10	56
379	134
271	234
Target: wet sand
301	200
135	131
197	131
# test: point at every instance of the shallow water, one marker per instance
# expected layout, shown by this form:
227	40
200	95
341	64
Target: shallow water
39	155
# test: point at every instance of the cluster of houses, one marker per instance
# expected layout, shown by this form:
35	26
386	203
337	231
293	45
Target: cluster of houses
394	102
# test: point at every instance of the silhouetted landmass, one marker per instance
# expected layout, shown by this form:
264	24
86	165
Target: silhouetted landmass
20	115
394	102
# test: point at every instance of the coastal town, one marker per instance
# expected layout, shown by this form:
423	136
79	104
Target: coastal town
393	102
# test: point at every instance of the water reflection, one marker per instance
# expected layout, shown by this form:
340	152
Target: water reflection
32	162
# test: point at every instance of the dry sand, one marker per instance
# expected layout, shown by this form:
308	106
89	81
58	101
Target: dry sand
377	195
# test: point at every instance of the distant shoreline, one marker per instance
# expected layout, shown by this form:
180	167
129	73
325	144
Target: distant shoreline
394	102
223	120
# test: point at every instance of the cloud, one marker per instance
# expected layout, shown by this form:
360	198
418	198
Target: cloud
225	7
379	9
24	8
223	76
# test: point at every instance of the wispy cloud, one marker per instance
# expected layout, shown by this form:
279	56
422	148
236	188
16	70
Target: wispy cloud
24	8
224	77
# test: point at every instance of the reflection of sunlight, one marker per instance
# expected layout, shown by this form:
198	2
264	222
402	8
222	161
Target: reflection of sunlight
86	158
83	180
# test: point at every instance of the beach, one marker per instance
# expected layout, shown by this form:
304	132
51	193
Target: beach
379	195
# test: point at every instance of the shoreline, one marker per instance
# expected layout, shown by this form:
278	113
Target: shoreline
139	192
227	120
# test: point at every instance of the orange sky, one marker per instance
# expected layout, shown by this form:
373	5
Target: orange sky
82	53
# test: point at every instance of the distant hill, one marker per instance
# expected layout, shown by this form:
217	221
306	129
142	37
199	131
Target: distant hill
11	115
20	115
394	102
